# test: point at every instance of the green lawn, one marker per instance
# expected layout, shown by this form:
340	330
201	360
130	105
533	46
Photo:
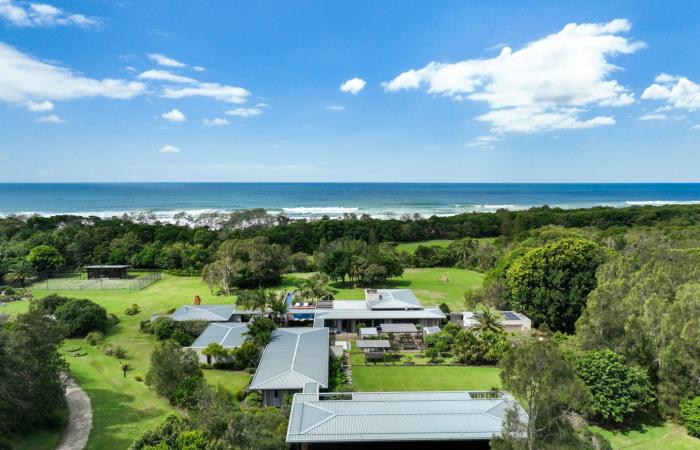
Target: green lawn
424	378
123	408
651	435
427	284
410	247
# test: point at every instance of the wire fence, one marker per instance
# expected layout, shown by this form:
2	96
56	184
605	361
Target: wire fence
79	281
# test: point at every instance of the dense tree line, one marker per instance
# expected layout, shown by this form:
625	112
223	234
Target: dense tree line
188	245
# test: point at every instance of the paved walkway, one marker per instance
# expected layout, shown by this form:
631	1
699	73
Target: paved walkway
75	436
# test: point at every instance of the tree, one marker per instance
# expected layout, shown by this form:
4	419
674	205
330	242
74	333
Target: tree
260	331
216	350
170	366
315	288
463	251
20	272
45	257
549	284
618	390
253	299
546	385
690	413
31	390
246	263
80	316
488	319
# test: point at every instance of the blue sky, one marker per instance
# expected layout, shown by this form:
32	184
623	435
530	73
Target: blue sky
433	91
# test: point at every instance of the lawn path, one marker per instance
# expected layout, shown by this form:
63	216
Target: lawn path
76	434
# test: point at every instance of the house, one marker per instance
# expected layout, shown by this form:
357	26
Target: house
229	335
211	313
380	306
511	320
293	358
380	419
117	271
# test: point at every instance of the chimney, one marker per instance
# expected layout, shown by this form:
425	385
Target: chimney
197	300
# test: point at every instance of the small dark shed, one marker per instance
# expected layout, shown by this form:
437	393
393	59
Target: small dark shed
107	271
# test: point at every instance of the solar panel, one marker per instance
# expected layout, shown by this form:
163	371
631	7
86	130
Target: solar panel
510	315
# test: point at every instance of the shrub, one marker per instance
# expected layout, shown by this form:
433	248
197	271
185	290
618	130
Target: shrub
112	320
117	351
132	310
138	378
690	412
253	399
80	316
163	328
186	392
94	337
170	367
182	338
51	303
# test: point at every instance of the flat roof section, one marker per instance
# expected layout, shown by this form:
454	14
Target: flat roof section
398	416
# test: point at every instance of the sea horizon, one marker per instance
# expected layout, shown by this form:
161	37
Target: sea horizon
311	200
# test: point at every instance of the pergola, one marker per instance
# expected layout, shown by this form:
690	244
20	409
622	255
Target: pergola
398	328
374	348
107	271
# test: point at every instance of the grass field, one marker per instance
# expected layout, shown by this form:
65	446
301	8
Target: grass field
410	247
424	378
651	435
123	408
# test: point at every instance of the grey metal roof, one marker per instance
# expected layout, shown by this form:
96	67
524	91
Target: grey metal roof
211	313
394	299
431	330
294	357
367	314
398	328
373	343
397	416
226	334
372	331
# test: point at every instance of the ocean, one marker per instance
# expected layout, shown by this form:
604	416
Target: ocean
313	200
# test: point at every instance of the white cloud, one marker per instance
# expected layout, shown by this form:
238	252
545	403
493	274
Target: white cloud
335	108
546	85
53	118
198	68
165	75
653	116
42	15
484	141
229	94
677	92
174	115
39	106
244	112
353	86
165	61
24	78
169	149
215	122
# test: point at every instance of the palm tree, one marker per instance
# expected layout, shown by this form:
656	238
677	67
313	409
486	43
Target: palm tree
19	273
488	320
253	299
278	307
260	331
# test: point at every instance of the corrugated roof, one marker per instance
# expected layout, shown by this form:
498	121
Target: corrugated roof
366	314
397	416
371	331
394	299
372	343
228	335
294	357
398	328
211	313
